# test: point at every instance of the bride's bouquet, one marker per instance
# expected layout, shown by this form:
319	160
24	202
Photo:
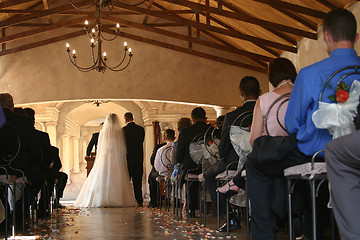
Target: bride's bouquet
337	117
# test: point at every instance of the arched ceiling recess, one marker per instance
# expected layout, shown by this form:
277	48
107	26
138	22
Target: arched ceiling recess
87	112
247	33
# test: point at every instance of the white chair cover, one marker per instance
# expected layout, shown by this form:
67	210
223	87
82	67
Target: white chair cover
337	118
240	139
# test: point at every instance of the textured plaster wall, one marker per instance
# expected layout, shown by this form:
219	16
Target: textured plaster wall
311	51
45	74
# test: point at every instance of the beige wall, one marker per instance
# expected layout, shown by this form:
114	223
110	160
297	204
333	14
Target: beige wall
155	73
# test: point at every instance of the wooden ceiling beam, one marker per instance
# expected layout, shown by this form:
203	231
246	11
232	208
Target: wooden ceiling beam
296	8
44	29
42	43
202	26
306	22
241	17
272	30
150	3
256	61
249	57
269	50
165	24
44	13
187	51
186	38
328	4
13	3
46	6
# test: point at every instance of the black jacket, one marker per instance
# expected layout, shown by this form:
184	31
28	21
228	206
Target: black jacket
93	141
226	150
134	137
185	137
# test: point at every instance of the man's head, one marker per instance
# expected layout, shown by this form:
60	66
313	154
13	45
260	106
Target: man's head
128	117
281	69
198	114
339	29
183	123
169	135
6	101
249	88
101	125
30	113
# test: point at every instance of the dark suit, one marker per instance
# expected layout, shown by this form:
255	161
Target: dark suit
44	143
152	177
183	156
134	135
93	142
28	157
227	152
30	152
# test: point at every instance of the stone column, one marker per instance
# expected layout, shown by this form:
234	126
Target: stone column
51	130
221	111
66	155
76	155
148	148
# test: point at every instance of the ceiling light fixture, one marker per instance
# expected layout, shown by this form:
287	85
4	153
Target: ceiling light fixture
99	58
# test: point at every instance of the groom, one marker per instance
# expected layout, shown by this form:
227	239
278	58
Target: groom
134	135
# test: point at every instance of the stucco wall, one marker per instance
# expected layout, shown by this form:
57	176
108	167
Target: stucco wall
45	74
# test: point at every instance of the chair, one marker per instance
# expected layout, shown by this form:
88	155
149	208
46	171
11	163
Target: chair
313	171
211	156
239	131
12	178
165	179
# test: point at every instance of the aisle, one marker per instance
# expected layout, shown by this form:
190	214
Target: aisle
124	223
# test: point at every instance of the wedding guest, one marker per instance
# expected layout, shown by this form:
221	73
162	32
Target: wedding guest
281	75
198	117
93	142
43	141
59	178
30	154
340	36
162	162
153	187
181	124
249	90
134	136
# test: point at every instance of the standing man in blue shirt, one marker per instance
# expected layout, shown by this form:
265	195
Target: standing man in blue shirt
340	36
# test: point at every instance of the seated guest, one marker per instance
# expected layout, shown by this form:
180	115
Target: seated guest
162	159
181	124
249	91
44	142
30	154
153	188
93	142
198	117
281	74
60	178
340	36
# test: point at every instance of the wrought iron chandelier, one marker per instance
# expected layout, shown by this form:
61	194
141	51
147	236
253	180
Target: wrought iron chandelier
99	58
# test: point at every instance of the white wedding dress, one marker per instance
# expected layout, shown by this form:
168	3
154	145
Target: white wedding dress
108	184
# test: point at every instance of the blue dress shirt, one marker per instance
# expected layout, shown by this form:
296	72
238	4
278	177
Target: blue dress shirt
305	96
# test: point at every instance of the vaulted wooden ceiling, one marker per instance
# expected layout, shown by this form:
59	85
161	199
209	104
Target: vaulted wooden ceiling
246	33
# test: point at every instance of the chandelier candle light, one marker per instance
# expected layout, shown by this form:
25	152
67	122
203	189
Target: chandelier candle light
96	39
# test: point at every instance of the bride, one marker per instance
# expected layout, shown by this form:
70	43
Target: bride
108	184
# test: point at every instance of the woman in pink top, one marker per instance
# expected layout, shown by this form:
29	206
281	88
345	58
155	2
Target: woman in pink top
282	74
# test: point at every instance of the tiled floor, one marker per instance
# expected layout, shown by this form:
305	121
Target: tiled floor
127	223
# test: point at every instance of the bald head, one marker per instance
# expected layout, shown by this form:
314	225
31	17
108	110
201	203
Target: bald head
6	101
